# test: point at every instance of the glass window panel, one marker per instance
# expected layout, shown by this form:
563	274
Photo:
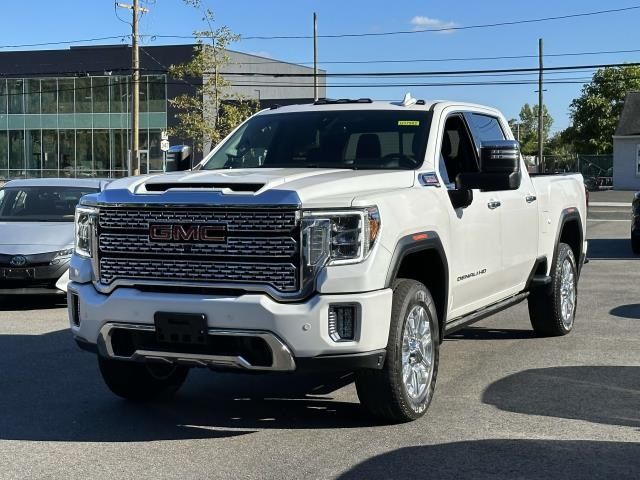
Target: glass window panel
100	95
155	154
83	95
50	95
67	152
16	95
50	149
157	93
144	97
119	94
101	150
16	150
119	149
66	87
84	157
3	96
4	153
32	101
34	149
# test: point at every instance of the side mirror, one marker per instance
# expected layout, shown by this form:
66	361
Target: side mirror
499	168
461	198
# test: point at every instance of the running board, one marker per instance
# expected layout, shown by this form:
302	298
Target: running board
461	322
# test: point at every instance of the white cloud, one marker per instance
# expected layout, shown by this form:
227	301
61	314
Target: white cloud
425	23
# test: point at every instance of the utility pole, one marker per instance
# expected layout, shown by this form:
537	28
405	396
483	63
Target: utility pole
134	160
315	56
540	112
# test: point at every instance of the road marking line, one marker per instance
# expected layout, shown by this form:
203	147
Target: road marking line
609	204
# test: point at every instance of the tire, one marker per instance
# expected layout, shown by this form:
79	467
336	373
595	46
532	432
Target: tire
635	244
384	393
141	382
552	309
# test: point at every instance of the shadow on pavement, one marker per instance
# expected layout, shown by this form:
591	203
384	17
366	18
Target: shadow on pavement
610	249
479	333
626	311
598	394
31	302
505	459
50	391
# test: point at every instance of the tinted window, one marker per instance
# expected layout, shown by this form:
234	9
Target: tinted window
486	128
40	204
358	139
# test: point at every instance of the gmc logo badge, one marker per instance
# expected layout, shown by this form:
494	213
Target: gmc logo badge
187	233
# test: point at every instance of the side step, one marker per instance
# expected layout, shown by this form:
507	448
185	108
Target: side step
540	280
461	322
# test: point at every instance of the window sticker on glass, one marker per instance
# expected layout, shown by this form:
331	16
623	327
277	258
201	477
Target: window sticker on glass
408	123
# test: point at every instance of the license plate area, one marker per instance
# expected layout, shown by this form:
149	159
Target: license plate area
181	328
19	273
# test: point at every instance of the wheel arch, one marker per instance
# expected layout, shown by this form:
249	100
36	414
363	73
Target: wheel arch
421	257
571	232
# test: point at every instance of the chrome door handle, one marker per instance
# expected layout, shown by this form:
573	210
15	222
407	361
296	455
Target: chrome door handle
493	204
530	198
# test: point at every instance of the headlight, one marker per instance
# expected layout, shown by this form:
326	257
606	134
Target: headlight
339	237
85	219
61	256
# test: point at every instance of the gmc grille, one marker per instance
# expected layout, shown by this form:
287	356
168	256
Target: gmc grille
260	247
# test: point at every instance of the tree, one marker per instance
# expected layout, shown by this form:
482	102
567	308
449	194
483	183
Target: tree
213	111
529	128
596	112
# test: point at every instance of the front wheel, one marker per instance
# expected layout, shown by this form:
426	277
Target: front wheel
141	381
402	390
552	309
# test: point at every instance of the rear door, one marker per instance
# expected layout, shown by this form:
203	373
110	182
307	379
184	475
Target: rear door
518	208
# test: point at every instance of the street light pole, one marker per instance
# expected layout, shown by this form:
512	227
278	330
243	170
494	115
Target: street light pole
315	56
540	112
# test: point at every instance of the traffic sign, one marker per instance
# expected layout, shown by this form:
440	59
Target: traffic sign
164	145
164	135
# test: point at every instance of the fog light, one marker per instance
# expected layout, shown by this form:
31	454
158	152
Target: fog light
342	322
74	310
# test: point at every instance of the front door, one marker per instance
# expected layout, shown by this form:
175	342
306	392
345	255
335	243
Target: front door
475	230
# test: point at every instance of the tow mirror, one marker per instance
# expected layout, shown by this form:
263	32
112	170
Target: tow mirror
499	168
461	198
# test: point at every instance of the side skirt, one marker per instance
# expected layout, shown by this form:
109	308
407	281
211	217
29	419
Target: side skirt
465	320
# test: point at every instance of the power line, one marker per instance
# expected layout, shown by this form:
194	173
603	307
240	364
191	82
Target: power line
426	30
65	42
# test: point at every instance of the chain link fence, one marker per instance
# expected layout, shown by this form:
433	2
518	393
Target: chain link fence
597	170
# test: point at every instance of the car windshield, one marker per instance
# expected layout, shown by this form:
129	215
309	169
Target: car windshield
40	204
354	139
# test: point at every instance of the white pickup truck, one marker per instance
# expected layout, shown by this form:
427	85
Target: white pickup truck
345	234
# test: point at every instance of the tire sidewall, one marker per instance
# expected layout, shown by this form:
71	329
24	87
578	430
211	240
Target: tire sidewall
403	301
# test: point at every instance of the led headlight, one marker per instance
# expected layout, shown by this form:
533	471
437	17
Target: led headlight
61	256
85	220
339	237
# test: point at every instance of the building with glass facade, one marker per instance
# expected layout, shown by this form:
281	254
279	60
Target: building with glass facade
66	113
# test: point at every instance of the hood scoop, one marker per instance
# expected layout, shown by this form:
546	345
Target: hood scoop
234	187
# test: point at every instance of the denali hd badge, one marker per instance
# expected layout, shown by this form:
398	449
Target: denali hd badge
187	233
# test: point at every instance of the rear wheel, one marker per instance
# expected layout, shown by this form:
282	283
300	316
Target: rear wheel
402	390
141	381
552	309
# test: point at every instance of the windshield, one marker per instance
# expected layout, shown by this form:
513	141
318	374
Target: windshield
355	139
40	204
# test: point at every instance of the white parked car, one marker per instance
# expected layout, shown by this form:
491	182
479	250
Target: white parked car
36	233
344	234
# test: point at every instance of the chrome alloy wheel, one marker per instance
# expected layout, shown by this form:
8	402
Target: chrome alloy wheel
417	354
567	293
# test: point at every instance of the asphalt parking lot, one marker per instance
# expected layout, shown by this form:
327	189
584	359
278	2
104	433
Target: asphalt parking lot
507	405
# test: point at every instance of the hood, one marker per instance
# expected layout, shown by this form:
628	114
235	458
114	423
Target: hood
314	186
28	238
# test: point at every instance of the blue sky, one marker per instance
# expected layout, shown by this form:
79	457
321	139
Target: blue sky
32	21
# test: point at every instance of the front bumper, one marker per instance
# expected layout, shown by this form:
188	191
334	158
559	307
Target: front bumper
300	328
34	280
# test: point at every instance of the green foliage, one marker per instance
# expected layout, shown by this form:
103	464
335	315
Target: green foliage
596	112
529	128
213	111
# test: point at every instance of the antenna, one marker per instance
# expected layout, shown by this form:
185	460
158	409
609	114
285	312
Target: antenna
408	100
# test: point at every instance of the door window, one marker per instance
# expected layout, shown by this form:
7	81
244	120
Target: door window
457	154
485	127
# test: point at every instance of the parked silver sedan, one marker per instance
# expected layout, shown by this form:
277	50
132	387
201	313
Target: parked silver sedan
36	233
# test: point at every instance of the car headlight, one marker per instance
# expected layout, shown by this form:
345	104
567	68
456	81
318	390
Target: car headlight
339	237
61	256
85	220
